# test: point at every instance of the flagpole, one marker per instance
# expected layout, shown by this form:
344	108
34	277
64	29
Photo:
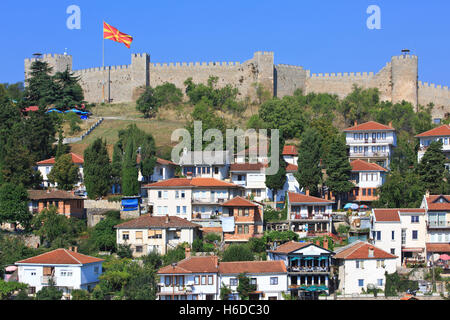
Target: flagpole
103	61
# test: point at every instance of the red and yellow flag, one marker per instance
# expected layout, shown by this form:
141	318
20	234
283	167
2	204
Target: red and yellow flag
113	34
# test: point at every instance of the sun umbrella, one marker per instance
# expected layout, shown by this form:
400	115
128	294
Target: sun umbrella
348	205
354	207
364	207
444	257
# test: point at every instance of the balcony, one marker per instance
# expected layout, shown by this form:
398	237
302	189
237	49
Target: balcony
369	154
309	269
438	225
210	200
310	217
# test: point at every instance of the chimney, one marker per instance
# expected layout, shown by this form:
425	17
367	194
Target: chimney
325	243
189	175
318	243
167	219
356	123
307	192
371	252
187	252
390	124
427	194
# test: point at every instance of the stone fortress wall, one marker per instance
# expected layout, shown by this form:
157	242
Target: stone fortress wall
396	81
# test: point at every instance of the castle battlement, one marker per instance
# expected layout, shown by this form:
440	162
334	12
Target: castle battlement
264	53
174	65
405	57
344	75
434	86
289	66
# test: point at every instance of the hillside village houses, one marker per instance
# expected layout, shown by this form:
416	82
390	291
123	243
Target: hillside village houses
46	166
68	269
442	134
367	178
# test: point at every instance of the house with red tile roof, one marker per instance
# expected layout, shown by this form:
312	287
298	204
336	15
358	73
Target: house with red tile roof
147	234
387	231
308	215
367	178
438	225
205	164
202	277
46	166
190	198
163	170
308	266
67	203
442	134
68	269
362	265
252	177
242	220
290	154
372	142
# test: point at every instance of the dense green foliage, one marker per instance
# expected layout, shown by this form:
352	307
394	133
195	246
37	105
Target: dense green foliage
238	252
64	173
276	182
14	205
309	174
245	288
97	170
396	284
280	236
7	289
431	169
50	292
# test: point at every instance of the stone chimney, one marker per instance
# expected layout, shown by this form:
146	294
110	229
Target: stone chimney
356	123
307	192
390	124
427	194
187	252
167	219
73	249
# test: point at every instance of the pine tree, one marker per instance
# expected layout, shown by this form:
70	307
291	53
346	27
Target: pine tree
130	183
309	174
64	173
431	168
14	205
276	182
69	91
41	90
97	170
338	169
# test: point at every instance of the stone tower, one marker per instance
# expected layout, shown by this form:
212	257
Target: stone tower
140	73
265	62
58	62
405	73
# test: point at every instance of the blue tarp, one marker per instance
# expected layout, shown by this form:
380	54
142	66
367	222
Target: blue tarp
130	204
54	110
77	111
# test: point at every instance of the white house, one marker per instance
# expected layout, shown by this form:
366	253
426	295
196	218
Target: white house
46	166
163	170
387	232
290	154
147	234
372	142
308	215
367	178
361	266
308	266
438	225
442	134
68	269
269	277
252	177
204	164
196	198
194	278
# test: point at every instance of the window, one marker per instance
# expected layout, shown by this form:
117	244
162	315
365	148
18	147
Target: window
139	235
384	135
380	263
364	192
361	282
239	229
210	280
96	269
168	280
125	235
274	281
184	210
253	281
159	194
183	194
392	251
178	210
246	229
177	194
197	280
393	235
233	282
380	282
369	192
415	235
414	219
166	195
378	233
355	136
203	280
359	264
31	290
216	170
138	249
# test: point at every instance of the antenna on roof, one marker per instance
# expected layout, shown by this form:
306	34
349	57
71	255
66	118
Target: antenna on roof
37	56
406	52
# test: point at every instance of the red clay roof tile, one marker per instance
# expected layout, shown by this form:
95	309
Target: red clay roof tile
60	256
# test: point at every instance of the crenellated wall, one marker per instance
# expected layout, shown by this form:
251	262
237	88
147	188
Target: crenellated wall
396	81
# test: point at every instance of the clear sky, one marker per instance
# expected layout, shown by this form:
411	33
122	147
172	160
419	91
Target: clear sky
324	36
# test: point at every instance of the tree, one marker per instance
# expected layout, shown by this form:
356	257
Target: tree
431	168
124	251
62	148
104	233
97	170
147	103
401	191
142	283
175	255
50	292
338	169
79	294
168	94
245	288
7	289
64	173
130	183
238	252
309	174
225	292
257	245
14	205
40	90
69	90
276	182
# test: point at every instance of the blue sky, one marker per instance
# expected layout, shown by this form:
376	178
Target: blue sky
322	36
